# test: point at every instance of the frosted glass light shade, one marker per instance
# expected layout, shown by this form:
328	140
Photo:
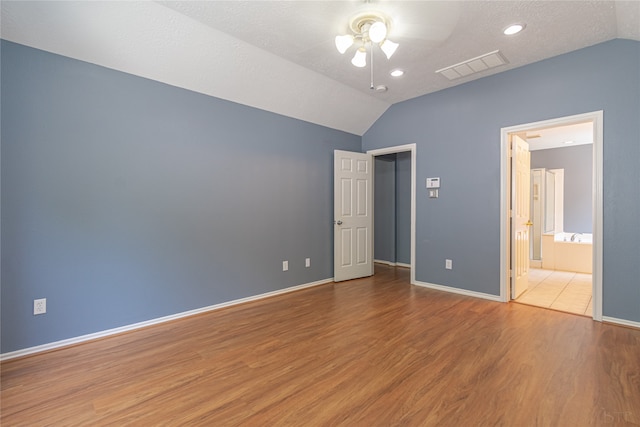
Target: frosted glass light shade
343	43
513	29
360	58
388	47
377	32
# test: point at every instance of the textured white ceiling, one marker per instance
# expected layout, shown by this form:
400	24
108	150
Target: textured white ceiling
279	55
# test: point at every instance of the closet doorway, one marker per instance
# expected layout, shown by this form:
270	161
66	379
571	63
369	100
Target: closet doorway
399	224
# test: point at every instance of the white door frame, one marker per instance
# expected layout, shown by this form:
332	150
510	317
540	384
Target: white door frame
401	149
521	209
597	118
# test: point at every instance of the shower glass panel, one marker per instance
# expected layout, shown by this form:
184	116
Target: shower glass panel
537	193
549	202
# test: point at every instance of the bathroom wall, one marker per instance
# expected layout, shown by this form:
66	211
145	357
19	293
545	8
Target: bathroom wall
577	163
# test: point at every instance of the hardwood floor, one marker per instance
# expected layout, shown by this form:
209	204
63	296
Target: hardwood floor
368	352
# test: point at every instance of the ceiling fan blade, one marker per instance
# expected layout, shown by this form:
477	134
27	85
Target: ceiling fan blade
429	20
422	32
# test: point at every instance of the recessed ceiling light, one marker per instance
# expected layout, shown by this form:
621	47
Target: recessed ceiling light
397	73
513	29
569	142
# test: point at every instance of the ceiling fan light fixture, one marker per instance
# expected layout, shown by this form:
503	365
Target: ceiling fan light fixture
370	28
360	58
388	47
344	42
377	32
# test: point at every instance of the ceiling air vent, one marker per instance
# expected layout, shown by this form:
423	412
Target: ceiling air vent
473	65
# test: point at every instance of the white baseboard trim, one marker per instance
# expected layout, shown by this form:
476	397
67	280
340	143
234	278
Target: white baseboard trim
622	322
534	263
392	264
459	291
134	326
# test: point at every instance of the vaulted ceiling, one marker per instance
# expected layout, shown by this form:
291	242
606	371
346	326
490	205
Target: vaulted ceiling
280	55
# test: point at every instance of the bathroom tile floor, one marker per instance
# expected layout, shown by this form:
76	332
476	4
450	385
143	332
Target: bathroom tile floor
559	290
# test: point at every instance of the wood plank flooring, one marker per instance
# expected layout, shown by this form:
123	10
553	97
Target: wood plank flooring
368	352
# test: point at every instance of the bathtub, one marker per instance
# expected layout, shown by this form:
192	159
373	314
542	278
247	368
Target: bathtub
560	253
577	237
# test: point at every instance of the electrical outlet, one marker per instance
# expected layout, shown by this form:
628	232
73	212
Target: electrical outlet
39	306
448	264
307	262
285	265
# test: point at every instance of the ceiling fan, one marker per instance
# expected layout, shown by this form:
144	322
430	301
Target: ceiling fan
370	29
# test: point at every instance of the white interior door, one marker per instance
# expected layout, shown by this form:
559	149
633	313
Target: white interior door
521	202
353	215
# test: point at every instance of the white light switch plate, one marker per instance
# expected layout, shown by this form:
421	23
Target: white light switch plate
433	182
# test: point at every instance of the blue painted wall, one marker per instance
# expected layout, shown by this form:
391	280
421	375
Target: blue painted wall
457	132
125	199
403	207
392	219
577	163
384	199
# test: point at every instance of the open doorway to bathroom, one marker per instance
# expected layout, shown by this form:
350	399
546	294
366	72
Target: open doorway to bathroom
553	189
561	200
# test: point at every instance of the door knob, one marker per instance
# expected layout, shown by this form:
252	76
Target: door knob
339	222
528	223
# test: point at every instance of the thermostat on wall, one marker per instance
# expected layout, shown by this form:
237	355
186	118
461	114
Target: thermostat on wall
433	182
